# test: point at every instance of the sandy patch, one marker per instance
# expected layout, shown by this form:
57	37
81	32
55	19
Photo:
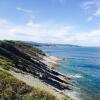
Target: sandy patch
51	61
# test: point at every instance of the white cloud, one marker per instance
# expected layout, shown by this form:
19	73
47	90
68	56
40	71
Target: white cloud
97	12
86	5
92	7
31	24
55	33
24	10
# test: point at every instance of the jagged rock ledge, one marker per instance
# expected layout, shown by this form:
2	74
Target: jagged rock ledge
30	59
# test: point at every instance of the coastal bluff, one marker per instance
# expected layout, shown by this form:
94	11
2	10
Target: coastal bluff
22	57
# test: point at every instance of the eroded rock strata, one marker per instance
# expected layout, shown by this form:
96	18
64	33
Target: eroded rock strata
29	59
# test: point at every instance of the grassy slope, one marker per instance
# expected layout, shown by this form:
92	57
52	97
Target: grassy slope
5	63
13	89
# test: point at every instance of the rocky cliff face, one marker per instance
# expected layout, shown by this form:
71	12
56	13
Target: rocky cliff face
29	59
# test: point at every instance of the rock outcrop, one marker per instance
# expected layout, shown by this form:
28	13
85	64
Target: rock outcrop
29	59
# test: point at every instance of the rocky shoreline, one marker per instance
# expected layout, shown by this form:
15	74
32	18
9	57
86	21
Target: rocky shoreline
51	61
35	62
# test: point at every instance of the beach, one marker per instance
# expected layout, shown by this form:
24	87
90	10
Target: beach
51	61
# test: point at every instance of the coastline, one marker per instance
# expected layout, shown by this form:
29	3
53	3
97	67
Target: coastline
33	81
32	66
51	61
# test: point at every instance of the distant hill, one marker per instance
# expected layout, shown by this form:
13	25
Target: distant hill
51	44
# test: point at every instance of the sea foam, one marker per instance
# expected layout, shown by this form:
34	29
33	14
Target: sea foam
74	76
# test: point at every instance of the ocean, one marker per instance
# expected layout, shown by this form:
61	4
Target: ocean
84	64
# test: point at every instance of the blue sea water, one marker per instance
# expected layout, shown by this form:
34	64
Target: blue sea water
84	62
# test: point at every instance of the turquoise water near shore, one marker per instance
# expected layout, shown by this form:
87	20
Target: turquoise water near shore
84	64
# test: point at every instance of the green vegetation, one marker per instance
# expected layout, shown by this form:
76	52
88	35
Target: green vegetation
11	88
5	63
14	89
26	46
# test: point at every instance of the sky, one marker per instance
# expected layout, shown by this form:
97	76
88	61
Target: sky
74	22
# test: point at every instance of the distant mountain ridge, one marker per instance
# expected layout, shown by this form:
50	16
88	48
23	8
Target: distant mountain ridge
51	44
